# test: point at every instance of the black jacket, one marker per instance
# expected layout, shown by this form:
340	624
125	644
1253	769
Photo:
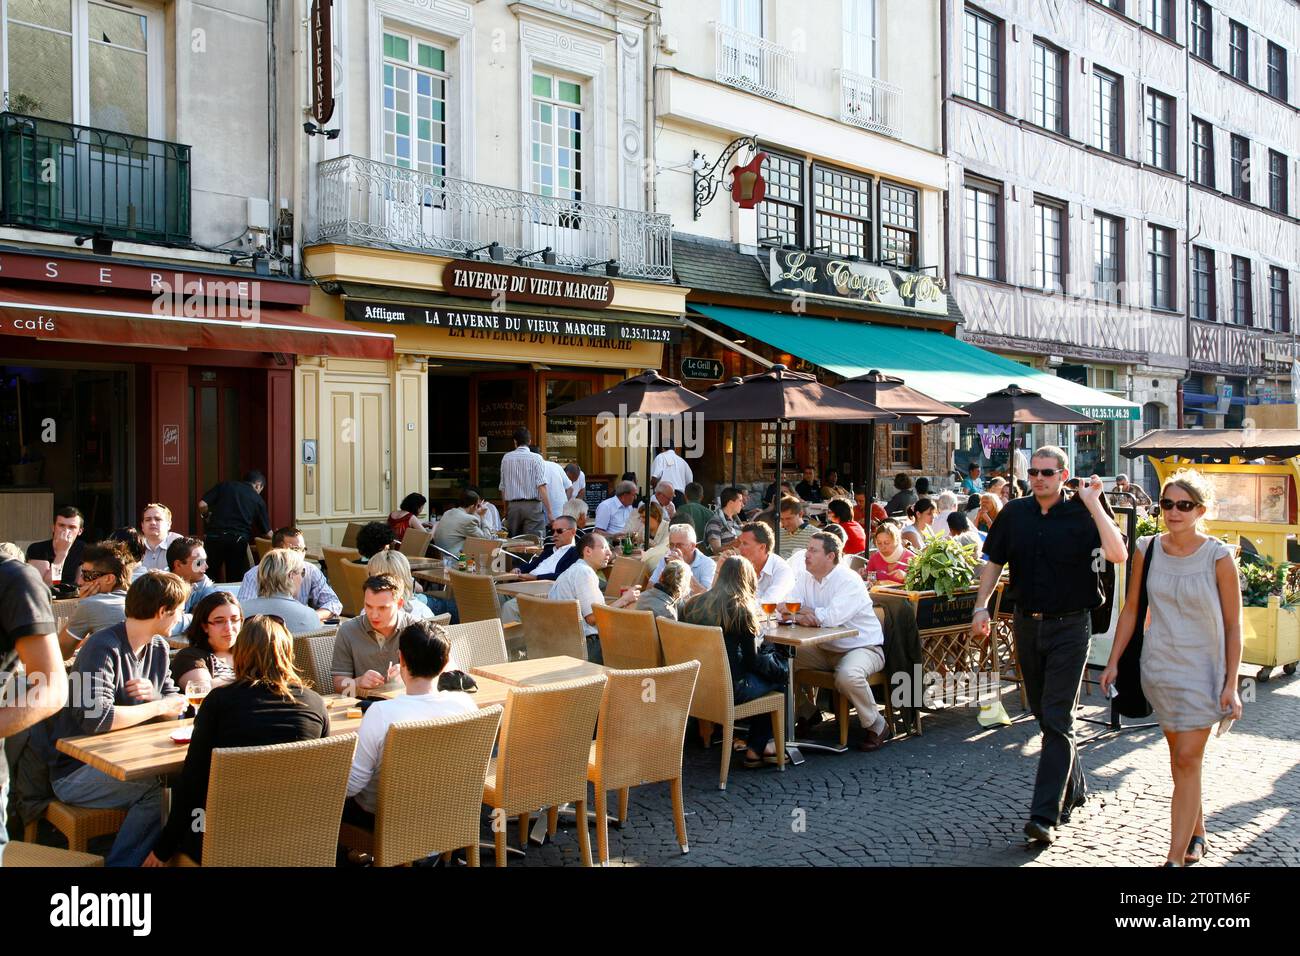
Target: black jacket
565	562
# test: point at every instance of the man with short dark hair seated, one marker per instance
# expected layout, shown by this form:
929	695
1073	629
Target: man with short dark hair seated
187	559
694	512
855	535
314	591
61	552
796	531
423	651
102	582
457	524
365	648
724	525
121	677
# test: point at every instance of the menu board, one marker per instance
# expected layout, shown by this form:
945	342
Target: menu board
1250	498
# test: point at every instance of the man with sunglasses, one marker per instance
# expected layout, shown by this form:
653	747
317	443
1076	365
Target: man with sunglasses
555	559
1057	547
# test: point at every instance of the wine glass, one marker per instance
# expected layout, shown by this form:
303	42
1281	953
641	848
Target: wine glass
769	609
195	692
793	608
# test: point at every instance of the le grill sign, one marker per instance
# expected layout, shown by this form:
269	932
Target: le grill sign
797	272
322	62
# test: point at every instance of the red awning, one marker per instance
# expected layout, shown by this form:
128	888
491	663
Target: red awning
211	323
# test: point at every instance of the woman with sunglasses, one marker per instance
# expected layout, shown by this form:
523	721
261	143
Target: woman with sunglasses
210	657
1190	650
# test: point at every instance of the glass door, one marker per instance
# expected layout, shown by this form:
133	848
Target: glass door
215	416
503	401
568	439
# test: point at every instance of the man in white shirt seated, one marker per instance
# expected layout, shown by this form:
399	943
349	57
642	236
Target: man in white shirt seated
156	526
554	560
664	498
670	467
423	650
831	595
682	546
775	576
613	514
581	583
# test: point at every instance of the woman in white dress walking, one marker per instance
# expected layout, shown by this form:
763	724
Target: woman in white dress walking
1192	645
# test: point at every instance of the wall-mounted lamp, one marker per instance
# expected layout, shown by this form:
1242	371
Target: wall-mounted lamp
547	254
311	129
100	243
611	266
494	251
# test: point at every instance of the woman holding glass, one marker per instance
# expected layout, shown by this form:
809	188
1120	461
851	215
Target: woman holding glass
210	659
1191	648
266	704
731	604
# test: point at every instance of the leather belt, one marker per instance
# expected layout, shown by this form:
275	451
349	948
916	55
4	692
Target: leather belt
1039	616
525	500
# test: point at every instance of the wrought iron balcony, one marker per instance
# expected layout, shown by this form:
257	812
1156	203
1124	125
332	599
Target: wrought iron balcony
749	62
375	204
870	103
70	178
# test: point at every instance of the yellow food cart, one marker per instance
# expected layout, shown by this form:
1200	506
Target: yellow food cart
1256	478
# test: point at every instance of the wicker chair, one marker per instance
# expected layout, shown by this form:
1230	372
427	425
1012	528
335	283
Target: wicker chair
542	758
352	592
479	644
78	825
430	789
639	740
479	550
628	638
825	680
552	628
333	559
714	700
260	547
350	534
313	652
35	855
624	573
476	596
256	811
415	543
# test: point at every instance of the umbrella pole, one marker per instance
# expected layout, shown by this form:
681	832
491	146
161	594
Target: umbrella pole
648	491
735	450
871	473
776	500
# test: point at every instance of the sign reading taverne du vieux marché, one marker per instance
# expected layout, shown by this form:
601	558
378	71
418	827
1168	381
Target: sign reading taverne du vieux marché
511	327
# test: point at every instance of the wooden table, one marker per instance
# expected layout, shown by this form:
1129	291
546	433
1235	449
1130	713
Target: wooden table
794	637
544	670
541	589
489	692
437	574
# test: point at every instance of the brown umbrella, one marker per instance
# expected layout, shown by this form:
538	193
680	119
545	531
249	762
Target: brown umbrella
648	395
781	395
910	405
1014	405
1221	443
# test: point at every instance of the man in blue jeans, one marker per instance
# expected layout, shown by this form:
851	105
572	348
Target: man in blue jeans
121	678
26	635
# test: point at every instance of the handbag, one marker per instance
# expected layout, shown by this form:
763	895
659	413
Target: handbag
1130	701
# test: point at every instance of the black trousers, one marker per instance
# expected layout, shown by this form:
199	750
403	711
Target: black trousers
1052	656
227	556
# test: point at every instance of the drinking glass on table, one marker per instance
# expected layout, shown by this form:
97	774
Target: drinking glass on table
792	607
769	609
195	692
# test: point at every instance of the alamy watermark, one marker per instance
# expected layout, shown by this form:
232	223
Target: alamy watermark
198	298
684	431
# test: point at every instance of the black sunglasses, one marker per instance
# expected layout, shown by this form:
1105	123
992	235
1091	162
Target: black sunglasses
1168	504
1045	472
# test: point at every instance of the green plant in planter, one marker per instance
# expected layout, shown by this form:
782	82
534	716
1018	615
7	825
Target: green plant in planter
944	566
1147	525
1260	578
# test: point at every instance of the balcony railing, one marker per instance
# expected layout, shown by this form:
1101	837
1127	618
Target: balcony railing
749	62
870	103
370	203
71	178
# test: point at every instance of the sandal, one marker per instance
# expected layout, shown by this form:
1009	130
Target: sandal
1192	856
751	762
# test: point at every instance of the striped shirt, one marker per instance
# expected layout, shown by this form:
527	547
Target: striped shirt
521	473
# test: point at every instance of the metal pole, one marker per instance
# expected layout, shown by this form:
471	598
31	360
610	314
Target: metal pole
776	500
735	450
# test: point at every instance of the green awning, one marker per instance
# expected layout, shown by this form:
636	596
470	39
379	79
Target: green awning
939	365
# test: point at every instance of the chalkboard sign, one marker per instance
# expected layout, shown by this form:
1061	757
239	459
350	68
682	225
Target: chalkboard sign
597	490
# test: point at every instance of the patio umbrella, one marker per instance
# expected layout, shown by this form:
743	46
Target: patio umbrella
648	395
781	395
1014	405
911	406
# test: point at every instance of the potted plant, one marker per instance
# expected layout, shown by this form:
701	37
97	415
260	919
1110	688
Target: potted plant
1269	595
940	582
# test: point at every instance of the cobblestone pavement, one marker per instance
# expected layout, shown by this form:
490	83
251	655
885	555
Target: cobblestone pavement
958	796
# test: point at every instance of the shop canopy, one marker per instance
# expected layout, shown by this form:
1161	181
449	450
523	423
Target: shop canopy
166	322
938	365
1216	443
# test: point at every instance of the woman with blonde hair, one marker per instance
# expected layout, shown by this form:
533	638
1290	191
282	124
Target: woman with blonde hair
1191	648
396	564
267	704
279	579
732	605
990	508
663	597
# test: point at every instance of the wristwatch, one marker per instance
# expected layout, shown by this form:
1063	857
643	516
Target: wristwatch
978	609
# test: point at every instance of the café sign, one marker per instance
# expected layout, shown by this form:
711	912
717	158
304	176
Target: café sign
510	327
483	280
795	271
1109	413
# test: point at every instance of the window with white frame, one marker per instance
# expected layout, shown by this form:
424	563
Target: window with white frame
841	212
983	258
1049	87
1238	50
1242	308
1107	111
1279	299
1202	284
1160	130
1277	71
745	15
1240	167
1049	245
982	58
1277	182
787	441
85	62
1202	31
414	104
1160	256
1108	257
1202	153
899	224
557	137
860	51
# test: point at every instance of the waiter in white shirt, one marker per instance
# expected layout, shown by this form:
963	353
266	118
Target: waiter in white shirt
557	486
775	576
523	486
831	595
671	467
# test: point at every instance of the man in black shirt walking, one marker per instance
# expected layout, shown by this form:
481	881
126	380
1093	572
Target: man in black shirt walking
1057	548
230	510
